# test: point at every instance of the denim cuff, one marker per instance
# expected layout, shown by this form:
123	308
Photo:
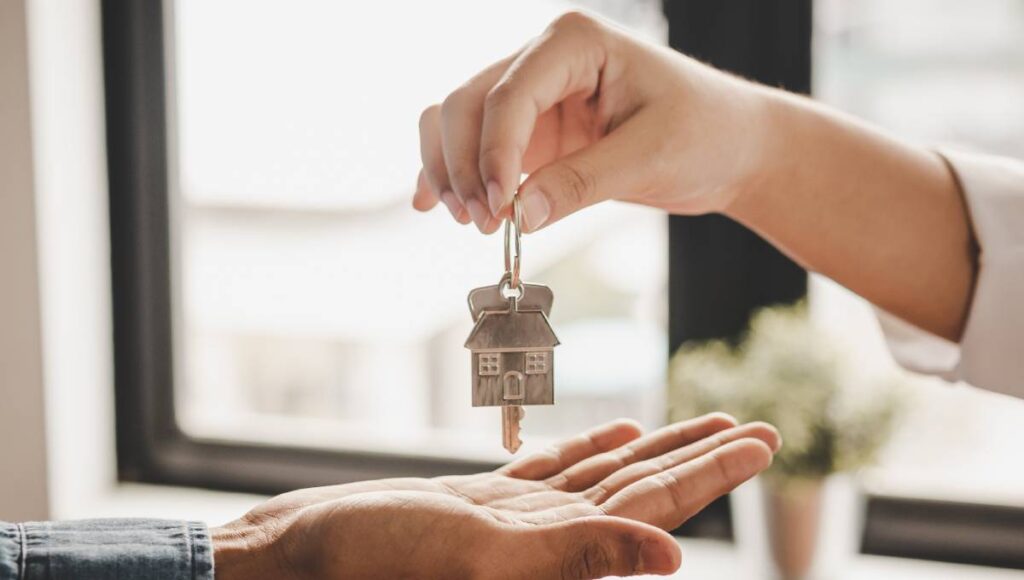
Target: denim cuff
108	548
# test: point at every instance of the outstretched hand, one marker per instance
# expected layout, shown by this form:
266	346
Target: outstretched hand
591	506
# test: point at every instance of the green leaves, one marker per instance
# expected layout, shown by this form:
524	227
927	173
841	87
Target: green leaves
790	374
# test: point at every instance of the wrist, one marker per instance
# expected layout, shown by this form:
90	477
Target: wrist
768	149
245	551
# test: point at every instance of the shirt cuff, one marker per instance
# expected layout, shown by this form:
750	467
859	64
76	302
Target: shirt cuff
109	548
989	353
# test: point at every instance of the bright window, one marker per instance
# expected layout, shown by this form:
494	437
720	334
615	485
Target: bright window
314	306
939	72
318	321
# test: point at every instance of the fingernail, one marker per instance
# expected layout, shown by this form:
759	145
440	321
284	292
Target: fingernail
654	558
452	203
478	212
494	197
536	210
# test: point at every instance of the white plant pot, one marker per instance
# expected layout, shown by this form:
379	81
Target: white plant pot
808	531
792	514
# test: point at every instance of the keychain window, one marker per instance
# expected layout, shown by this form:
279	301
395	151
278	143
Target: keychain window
536	363
490	365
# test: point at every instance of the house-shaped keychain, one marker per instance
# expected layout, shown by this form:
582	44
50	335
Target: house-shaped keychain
513	352
512	345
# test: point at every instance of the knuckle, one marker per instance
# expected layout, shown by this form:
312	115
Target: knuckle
597	494
678	430
434	174
674	489
558	481
577	183
573	20
722	470
496	156
719	439
555	453
427	116
464	177
626	454
658	464
434	170
499	95
491	154
454	102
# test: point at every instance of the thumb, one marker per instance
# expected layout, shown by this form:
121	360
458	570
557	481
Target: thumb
595	547
612	167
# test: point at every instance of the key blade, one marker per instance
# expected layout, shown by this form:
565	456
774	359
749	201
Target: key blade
511	415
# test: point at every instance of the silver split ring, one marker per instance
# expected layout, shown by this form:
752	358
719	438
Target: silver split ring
513	263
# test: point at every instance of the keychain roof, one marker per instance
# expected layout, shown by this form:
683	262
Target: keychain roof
512	323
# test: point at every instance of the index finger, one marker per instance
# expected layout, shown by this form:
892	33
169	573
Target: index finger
593	469
571	451
669	498
565	60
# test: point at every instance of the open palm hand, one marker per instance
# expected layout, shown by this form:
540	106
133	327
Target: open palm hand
591	506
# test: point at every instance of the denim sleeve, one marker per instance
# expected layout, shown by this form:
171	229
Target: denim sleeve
102	549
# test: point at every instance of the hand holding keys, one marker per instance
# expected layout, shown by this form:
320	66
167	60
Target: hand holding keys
512	343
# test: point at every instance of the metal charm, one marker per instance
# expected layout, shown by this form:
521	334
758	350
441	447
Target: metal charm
512	343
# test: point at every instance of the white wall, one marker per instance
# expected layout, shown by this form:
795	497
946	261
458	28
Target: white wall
57	453
56	386
66	76
23	493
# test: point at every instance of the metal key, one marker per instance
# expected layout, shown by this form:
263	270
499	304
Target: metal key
511	415
512	343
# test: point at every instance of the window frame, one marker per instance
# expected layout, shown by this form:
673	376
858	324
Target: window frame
766	40
737	271
150	445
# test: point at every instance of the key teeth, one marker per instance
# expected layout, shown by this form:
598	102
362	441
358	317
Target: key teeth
518	442
511	416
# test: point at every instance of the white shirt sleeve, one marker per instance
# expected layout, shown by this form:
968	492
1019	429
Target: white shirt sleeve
991	352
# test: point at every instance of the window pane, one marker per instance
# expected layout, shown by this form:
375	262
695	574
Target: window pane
939	72
314	306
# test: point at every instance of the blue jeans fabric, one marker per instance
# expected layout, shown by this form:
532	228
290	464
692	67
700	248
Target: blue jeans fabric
106	549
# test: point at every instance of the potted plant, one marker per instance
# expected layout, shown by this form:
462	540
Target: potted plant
786	372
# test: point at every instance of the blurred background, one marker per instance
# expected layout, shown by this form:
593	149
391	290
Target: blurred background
315	304
277	293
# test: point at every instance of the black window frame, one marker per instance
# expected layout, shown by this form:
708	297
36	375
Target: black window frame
719	272
150	445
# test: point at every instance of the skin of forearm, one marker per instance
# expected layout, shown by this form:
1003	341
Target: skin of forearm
882	217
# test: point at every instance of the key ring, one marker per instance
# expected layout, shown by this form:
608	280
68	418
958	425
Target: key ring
508	291
512	265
